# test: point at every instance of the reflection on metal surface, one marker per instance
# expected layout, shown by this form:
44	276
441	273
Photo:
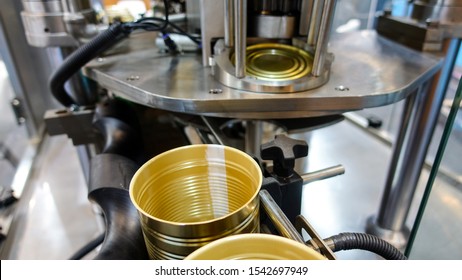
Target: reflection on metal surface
323	174
277	62
267	26
192	195
24	168
278	218
376	71
274	68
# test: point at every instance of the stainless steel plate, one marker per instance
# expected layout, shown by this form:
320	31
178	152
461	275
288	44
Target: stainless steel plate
368	71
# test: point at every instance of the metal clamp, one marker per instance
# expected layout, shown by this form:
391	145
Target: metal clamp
286	229
300	224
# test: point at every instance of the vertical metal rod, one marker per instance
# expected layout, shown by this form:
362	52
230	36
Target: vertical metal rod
229	23
315	19
85	153
399	143
253	134
240	30
372	14
323	37
434	172
395	208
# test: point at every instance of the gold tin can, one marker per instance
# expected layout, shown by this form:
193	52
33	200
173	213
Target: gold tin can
190	196
276	62
255	247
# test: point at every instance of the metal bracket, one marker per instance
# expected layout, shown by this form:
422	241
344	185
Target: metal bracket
77	125
18	109
317	242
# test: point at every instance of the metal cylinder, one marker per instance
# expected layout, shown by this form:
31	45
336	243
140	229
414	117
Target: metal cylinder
395	206
193	195
273	27
323	37
315	20
253	136
229	23
240	29
409	159
57	23
323	174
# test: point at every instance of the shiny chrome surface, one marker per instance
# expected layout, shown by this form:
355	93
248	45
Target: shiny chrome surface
278	27
368	71
57	23
192	195
323	174
278	218
402	183
264	77
43	6
347	200
240	36
315	20
229	23
320	54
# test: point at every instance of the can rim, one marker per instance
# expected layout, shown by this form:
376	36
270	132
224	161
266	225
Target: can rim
201	223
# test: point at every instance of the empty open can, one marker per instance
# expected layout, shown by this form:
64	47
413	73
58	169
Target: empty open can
255	247
192	195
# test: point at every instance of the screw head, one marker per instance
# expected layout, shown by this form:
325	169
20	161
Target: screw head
133	78
342	88
215	90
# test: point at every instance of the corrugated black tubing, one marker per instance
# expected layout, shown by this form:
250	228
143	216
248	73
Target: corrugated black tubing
368	242
72	64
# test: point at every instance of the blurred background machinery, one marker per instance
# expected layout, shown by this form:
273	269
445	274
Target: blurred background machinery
270	67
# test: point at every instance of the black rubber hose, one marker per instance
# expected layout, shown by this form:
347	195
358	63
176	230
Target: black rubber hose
119	138
116	122
82	252
110	177
368	242
72	64
124	239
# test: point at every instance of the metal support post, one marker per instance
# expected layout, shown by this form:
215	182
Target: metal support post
408	158
229	23
253	137
323	37
240	29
